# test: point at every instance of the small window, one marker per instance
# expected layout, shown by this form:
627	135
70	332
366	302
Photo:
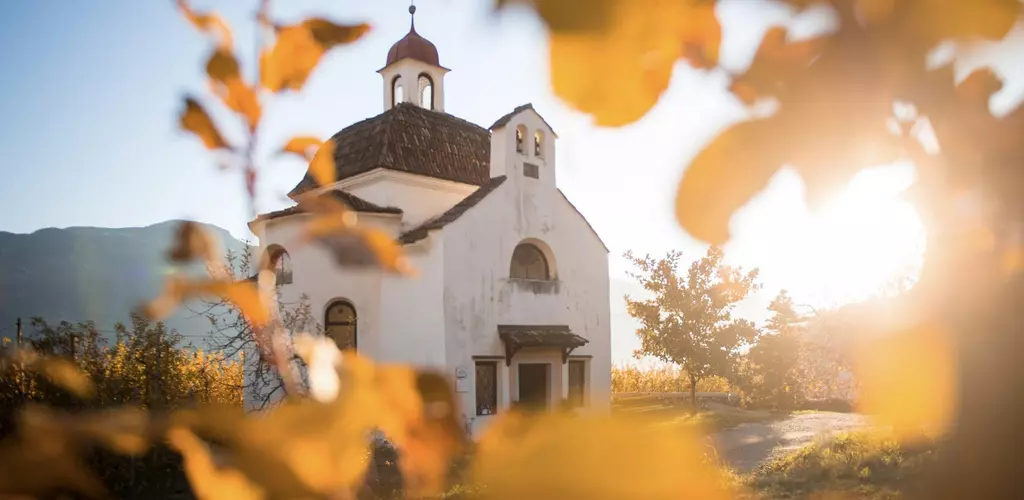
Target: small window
426	86
397	91
340	324
538	144
486	387
528	262
577	382
531	170
520	137
282	264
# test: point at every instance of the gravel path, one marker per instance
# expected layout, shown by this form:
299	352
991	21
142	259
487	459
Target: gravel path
747	445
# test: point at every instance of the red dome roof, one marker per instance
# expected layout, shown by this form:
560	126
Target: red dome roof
415	47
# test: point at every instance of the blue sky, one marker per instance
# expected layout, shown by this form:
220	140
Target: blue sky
91	92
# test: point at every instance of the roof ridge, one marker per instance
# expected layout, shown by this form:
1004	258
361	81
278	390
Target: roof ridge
452	214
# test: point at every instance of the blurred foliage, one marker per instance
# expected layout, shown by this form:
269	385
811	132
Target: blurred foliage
833	113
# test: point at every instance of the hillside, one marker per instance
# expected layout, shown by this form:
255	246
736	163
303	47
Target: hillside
89	273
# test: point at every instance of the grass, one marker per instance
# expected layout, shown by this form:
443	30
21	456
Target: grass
863	464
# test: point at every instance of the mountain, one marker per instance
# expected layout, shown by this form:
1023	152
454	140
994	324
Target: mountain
90	273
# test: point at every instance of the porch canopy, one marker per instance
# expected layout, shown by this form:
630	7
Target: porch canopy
517	337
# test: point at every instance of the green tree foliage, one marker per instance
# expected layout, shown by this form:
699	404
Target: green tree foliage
689	320
773	371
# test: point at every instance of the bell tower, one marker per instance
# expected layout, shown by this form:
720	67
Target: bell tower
413	73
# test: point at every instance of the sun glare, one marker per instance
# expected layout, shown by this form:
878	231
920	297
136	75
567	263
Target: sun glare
849	250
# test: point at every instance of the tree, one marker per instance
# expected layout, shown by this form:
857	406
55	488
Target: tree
775	359
689	320
234	335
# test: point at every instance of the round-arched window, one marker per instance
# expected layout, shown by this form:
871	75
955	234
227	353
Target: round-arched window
528	262
340	324
281	263
426	88
397	91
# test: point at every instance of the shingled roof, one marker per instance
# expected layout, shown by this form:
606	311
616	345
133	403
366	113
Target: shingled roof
411	139
352	201
419	232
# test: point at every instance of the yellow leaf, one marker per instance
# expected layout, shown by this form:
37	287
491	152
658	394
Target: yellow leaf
298	49
725	175
208	23
226	81
908	379
123	430
361	247
207	480
875	11
64	373
642	45
612	457
321	167
195	119
302	146
937	20
245	295
193	242
570	15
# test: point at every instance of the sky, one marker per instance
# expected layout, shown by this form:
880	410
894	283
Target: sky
91	92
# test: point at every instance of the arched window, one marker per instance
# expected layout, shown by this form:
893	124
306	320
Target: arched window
397	91
529	263
340	324
520	137
538	144
426	86
281	262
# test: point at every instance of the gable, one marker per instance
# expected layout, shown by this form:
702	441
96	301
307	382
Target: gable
528	107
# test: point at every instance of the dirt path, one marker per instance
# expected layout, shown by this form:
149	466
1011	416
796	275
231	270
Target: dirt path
745	446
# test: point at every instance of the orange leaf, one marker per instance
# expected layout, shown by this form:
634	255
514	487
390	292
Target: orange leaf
364	247
321	167
209	481
301	146
227	83
195	119
193	242
643	45
524	457
725	175
298	49
209	23
909	379
244	295
570	15
937	20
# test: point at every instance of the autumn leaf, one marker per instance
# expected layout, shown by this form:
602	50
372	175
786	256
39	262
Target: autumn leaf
908	379
937	20
322	167
643	45
42	459
192	242
737	165
298	49
364	247
304	147
570	15
208	481
208	23
195	119
524	457
123	430
227	83
243	295
62	372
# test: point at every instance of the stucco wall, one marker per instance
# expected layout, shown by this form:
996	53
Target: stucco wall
420	198
412	326
479	296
